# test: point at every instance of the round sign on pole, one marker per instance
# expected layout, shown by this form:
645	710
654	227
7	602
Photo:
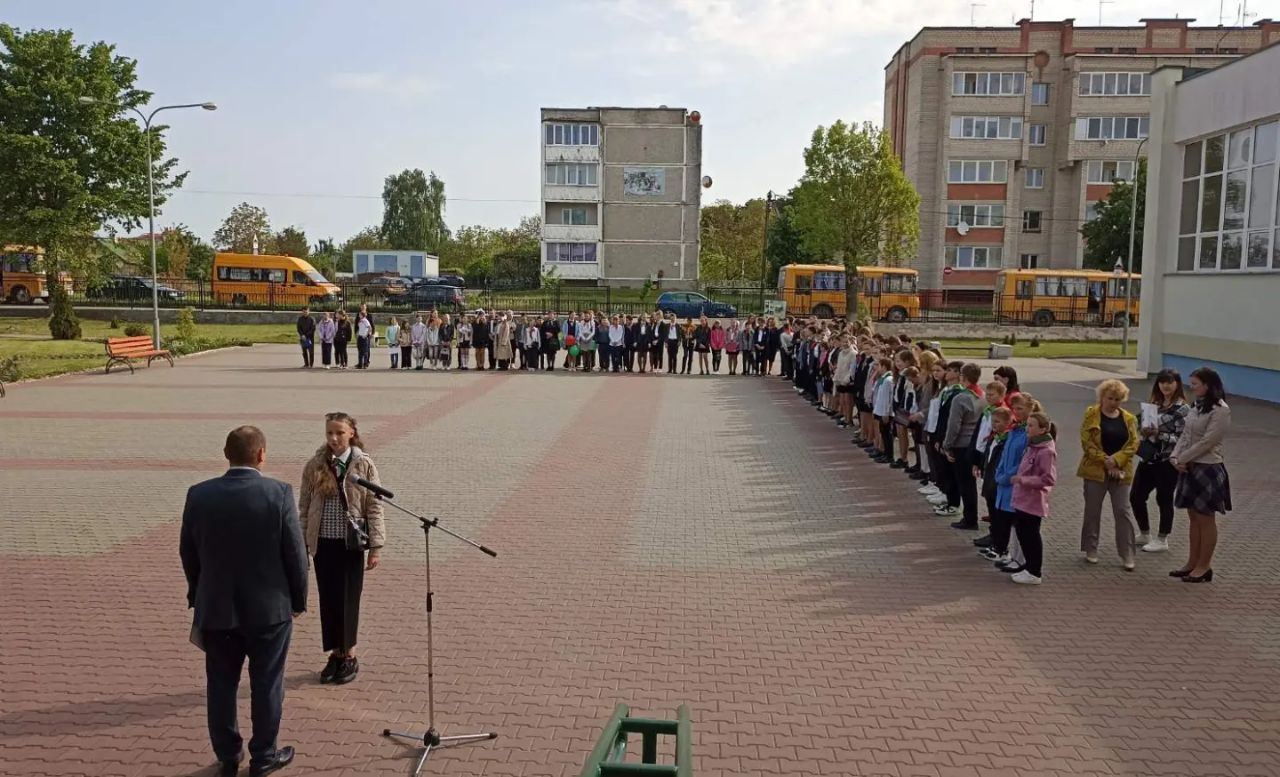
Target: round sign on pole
948	270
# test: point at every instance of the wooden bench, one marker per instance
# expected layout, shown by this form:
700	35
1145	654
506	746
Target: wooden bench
125	350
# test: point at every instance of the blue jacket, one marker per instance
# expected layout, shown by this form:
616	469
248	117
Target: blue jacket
1015	444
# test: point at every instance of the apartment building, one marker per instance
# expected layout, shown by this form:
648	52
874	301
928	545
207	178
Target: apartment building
1012	134
621	192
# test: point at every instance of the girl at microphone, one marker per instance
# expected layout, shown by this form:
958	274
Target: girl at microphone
340	522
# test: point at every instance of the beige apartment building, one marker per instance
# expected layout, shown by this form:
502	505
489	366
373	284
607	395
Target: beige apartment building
1012	134
621	192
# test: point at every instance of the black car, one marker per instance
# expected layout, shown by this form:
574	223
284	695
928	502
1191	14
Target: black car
441	280
128	288
431	296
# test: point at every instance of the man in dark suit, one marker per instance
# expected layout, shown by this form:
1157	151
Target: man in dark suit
246	567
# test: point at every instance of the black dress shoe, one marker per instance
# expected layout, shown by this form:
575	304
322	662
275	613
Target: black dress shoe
1207	577
228	768
982	542
348	668
1180	573
899	464
330	669
283	757
965	526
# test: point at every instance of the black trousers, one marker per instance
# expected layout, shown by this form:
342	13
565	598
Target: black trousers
715	361
1161	477
549	360
655	357
615	357
686	363
362	352
1028	528
1001	528
630	351
326	353
340	582
673	347
406	357
966	484
945	479
340	352
308	351
225	653
788	366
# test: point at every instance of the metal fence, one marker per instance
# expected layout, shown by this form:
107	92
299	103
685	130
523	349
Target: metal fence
959	307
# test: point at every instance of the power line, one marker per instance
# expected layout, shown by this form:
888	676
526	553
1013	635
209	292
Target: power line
327	195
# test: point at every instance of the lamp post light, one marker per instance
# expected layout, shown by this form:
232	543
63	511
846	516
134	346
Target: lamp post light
764	249
151	200
1133	226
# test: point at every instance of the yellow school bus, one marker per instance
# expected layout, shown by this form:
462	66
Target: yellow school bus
22	276
890	293
260	279
1047	297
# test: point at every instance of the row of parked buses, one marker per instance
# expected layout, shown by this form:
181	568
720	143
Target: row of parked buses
1037	297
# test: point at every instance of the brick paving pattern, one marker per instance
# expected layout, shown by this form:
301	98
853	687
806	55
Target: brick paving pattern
710	541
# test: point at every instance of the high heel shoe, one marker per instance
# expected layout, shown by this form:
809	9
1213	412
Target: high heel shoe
1180	573
1207	577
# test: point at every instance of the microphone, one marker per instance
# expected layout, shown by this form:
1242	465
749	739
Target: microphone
374	487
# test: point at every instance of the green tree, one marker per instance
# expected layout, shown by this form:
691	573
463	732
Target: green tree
413	211
71	169
173	253
329	259
200	264
732	241
239	230
786	243
1107	235
854	202
292	241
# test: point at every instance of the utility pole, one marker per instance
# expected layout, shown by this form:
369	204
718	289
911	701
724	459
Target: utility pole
764	249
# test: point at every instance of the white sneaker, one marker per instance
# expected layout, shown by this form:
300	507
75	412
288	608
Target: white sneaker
928	490
1130	565
1025	578
1090	559
937	497
1143	539
946	511
1158	545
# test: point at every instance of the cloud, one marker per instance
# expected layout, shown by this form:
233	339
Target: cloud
399	85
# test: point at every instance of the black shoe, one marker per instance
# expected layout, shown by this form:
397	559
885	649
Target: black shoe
1207	577
348	668
1180	573
919	476
330	669
1013	570
283	757
899	464
965	526
983	541
228	768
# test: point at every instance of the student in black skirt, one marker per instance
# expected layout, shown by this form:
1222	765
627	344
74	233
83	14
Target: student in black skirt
1204	489
329	507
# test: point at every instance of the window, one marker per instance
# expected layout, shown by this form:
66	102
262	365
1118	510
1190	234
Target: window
254	274
1034	177
1090	210
1109	84
987	127
1027	262
573	216
827	280
977	171
988	84
975	215
1105	171
1112	127
1039	93
1228	218
571	174
1030	221
571	252
972	257
1036	134
1025	288
572	134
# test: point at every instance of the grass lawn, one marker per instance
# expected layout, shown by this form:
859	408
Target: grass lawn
1049	349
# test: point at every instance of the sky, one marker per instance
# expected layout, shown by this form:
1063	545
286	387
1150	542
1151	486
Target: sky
319	101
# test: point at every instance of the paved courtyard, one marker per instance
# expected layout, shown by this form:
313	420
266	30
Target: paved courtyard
709	541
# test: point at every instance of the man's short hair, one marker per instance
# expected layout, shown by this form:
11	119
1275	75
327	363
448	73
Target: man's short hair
971	372
243	444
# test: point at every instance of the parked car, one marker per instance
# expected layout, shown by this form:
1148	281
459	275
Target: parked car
429	296
442	280
690	304
387	286
125	288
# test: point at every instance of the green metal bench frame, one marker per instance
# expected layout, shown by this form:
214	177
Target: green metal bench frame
606	760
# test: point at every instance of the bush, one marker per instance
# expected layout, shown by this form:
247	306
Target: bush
63	324
136	330
10	372
197	344
1011	339
115	323
186	325
1035	341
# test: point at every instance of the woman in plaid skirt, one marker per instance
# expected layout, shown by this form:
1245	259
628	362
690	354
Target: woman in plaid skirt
1203	487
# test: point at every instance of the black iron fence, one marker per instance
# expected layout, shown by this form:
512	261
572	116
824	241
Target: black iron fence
961	307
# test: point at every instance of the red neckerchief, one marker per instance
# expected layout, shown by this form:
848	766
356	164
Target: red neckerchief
974	388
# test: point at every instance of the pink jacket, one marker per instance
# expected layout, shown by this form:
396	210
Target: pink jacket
717	339
1036	475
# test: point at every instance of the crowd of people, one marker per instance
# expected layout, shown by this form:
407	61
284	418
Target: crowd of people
587	342
991	445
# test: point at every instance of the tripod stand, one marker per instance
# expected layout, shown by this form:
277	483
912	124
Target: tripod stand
431	740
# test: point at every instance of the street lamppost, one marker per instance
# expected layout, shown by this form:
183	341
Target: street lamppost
1133	226
764	249
151	199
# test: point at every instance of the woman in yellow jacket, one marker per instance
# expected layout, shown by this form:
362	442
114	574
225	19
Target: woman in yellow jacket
1109	437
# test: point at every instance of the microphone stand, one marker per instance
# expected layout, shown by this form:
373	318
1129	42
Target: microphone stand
432	740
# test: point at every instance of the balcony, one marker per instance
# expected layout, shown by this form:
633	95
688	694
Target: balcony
573	270
561	193
571	153
576	233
